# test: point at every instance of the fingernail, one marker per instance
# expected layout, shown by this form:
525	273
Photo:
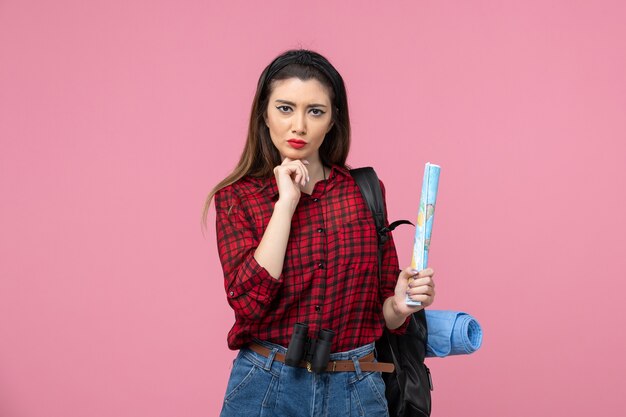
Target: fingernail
308	179
415	271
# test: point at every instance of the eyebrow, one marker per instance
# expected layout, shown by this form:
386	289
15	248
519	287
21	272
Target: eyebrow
291	103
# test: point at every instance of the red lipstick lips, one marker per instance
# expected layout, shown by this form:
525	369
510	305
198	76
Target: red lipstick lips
296	143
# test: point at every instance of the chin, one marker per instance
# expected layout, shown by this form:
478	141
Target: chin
294	154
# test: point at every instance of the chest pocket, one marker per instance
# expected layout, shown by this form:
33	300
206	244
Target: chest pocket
358	244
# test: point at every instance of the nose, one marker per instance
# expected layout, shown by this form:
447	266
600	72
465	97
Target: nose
298	124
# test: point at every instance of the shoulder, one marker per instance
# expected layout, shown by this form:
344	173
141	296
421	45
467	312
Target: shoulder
244	188
350	173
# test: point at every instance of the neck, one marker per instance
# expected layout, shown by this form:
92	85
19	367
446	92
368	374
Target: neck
317	172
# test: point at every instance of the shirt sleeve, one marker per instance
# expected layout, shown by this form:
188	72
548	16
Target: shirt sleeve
390	268
250	289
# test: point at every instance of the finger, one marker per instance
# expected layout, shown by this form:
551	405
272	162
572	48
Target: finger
408	272
305	174
305	171
416	282
424	289
299	176
419	297
286	169
428	272
293	167
426	300
295	170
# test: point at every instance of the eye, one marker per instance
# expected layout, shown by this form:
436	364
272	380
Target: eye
317	112
283	109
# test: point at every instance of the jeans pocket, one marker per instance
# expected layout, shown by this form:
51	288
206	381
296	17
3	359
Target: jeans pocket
368	395
249	389
240	376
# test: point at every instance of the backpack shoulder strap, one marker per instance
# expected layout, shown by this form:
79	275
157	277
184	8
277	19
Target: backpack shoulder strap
368	183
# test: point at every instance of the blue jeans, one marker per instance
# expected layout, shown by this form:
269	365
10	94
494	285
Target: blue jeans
263	387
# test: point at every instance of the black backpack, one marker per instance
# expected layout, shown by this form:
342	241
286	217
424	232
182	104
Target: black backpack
408	388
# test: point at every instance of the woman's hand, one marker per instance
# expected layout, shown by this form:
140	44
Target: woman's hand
419	286
291	175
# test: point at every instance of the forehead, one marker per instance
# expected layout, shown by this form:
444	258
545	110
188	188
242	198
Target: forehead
297	90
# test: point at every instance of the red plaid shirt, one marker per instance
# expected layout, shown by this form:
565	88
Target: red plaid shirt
329	278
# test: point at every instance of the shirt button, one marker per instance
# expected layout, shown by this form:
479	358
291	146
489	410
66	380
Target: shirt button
320	265
318	308
232	293
316	199
320	230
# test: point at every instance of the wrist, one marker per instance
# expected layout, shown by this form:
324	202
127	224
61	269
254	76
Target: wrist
285	206
397	310
394	314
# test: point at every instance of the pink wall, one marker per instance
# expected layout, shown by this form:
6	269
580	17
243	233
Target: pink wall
116	118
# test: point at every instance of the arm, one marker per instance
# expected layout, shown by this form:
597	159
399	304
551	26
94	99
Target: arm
249	286
394	286
290	176
421	288
271	250
253	268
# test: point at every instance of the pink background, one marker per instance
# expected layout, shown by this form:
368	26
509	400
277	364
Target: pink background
117	117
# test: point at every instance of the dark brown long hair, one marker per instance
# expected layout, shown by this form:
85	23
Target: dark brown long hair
260	156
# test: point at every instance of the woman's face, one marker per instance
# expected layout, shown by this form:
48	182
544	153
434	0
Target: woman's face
298	115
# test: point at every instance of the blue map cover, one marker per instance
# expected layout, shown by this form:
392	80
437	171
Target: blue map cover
425	217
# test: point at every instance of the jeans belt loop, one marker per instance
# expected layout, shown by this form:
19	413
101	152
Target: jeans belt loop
270	359
357	367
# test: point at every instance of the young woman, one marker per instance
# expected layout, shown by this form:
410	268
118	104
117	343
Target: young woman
298	245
